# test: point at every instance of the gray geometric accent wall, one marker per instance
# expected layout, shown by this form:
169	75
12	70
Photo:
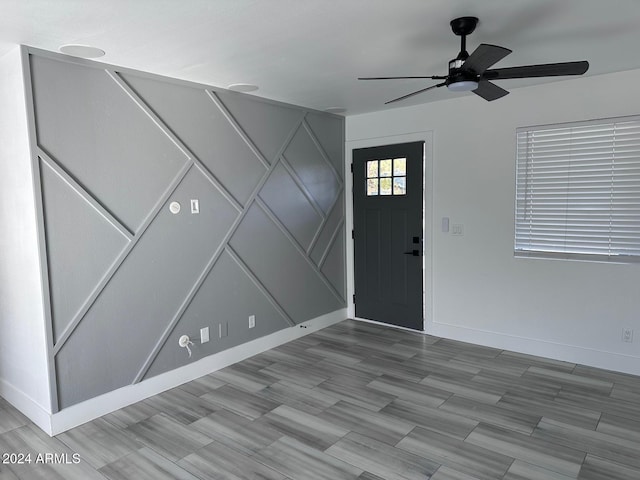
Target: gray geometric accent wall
126	276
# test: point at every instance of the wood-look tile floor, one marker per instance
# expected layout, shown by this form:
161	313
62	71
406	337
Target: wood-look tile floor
360	401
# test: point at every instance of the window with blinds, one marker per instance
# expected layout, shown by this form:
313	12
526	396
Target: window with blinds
578	190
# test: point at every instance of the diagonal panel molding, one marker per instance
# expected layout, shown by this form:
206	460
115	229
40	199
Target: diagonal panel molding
337	234
332	263
144	293
329	133
228	296
102	138
173	185
82	245
313	170
300	249
267	124
247	271
116	265
86	196
232	121
212	261
158	121
303	188
325	233
336	170
264	240
292	207
281	267
203	128
265	208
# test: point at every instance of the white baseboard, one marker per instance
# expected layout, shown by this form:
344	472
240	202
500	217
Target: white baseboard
96	407
558	351
617	362
27	405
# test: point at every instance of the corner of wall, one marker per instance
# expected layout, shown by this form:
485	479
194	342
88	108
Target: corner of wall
24	379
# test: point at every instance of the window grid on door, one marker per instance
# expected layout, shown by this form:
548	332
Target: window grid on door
386	177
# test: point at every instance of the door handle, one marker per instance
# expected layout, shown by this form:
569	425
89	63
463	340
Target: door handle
415	253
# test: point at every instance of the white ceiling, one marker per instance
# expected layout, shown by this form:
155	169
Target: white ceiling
310	52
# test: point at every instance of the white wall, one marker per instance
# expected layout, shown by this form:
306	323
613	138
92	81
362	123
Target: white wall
567	310
24	379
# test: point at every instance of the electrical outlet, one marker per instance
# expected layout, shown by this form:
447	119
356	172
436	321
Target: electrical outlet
627	335
204	335
457	229
252	321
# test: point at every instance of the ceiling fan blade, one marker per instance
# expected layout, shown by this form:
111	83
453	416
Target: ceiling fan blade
414	93
401	78
545	70
483	57
489	91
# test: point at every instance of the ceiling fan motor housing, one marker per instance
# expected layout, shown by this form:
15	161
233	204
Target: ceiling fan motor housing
459	79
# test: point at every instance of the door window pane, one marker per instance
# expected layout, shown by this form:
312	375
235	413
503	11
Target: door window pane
399	185
399	167
372	186
385	186
372	169
385	168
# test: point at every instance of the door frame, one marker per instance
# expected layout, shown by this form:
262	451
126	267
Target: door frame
427	218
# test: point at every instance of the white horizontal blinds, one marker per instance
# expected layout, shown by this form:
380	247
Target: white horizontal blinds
578	190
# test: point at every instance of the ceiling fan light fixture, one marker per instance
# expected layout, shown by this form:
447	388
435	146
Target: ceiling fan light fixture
463	86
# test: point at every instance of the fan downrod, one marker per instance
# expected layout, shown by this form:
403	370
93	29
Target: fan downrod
464	25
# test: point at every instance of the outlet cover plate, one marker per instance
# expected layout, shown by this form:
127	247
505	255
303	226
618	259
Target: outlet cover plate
204	335
627	335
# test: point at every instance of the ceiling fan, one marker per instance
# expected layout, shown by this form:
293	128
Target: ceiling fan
470	72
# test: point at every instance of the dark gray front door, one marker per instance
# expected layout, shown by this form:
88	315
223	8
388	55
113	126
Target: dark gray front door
387	219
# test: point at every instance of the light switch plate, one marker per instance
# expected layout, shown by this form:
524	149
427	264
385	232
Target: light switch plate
445	224
195	205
